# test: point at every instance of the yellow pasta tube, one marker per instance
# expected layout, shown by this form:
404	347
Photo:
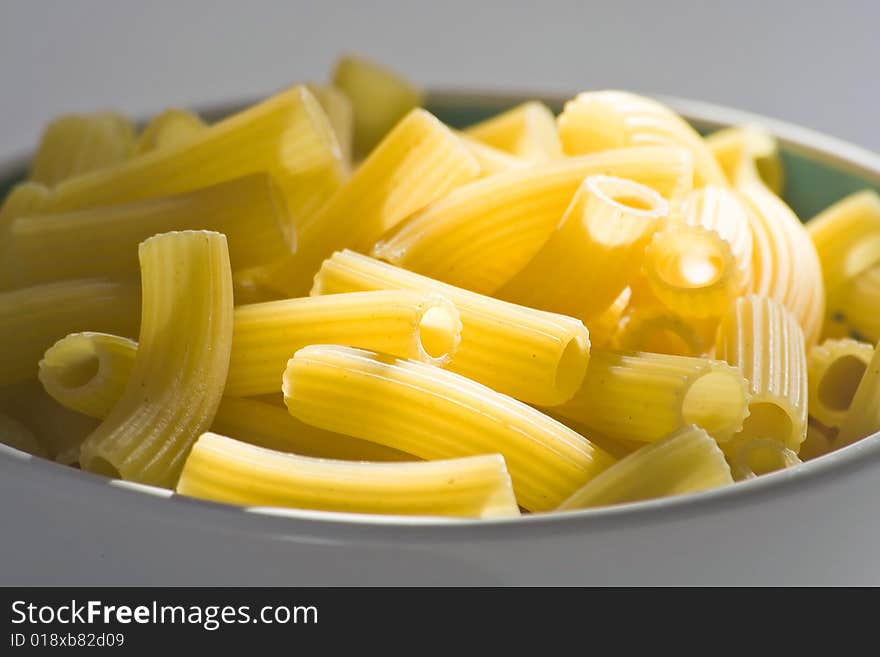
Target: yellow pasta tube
863	417
418	325
419	161
652	328
169	128
819	441
599	120
379	99
337	106
527	131
76	144
491	159
847	238
644	396
760	337
758	456
603	327
479	236
857	304
731	146
14	434
691	271
435	414
535	356
590	257
226	470
687	461
181	364
103	241
834	370
88	372
287	136
721	210
33	318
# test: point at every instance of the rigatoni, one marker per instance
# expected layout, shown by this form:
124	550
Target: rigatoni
763	339
757	456
337	107
687	461
857	303
181	364
436	414
863	417
483	233
594	252
226	470
169	128
736	145
537	357
644	396
834	370
527	131
419	325
491	159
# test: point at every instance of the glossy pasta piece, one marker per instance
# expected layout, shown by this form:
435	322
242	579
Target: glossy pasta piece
857	305
760	337
757	456
435	414
226	470
419	161
338	108
834	370
691	271
76	144
491	160
686	461
650	327
863	417
723	211
15	434
732	146
595	250
420	325
535	356
169	128
847	239
379	99
600	120
103	241
287	136
479	236
643	396
527	131
180	368
33	318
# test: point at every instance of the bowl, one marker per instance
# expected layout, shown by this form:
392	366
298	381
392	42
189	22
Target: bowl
817	523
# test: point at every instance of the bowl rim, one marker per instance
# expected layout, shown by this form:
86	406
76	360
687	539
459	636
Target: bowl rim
326	525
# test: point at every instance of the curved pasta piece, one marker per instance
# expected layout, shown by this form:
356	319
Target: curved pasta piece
599	120
420	325
863	417
732	146
76	144
763	339
33	318
687	461
858	302
643	396
757	456
226	470
436	414
527	131
481	234
178	375
534	356
169	128
834	370
591	256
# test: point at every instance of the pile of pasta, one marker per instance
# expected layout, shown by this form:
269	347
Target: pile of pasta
332	300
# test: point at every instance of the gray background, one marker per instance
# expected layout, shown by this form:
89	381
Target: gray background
812	62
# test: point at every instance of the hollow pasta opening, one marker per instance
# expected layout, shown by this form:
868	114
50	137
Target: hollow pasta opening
439	331
572	366
767	419
761	456
629	196
687	260
72	364
838	386
715	402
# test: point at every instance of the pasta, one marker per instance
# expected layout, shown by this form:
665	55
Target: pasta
857	305
491	160
732	146
481	234
14	434
646	325
379	99
834	370
863	417
760	337
644	396
178	376
168	129
686	461
337	107
588	260
226	470
435	414
819	441
603	327
33	318
534	356
418	325
527	131
600	120
76	144
758	456
248	210
419	161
